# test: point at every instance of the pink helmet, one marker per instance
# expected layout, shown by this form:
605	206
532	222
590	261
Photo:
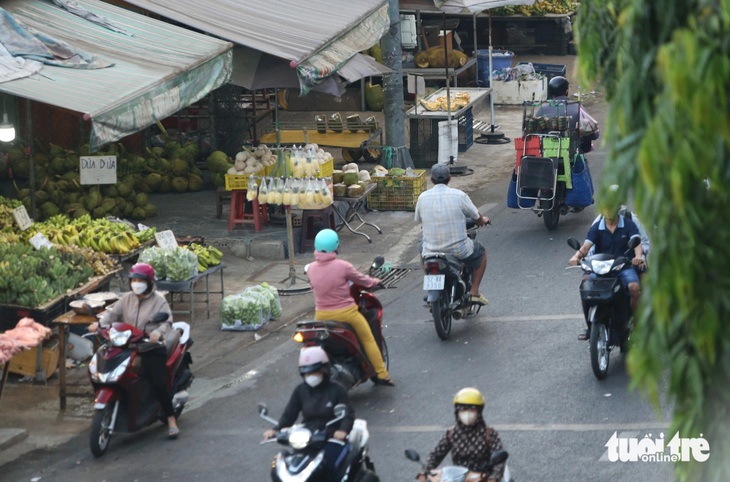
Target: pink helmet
142	271
312	359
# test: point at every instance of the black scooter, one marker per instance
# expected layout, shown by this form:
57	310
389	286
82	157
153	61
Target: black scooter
606	305
302	460
447	282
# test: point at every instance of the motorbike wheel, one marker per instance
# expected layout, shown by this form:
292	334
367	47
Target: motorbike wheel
384	353
442	315
551	217
100	430
599	350
368	476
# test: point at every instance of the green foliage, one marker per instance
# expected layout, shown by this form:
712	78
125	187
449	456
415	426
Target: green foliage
665	65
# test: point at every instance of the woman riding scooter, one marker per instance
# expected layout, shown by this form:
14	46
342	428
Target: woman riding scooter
471	441
330	279
316	398
137	308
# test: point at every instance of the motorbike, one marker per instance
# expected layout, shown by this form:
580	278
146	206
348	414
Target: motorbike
124	400
302	461
606	305
457	473
350	364
448	281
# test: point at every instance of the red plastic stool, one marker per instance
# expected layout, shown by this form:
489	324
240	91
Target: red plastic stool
313	221
246	212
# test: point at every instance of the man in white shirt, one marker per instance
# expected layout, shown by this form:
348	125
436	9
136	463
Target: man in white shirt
443	213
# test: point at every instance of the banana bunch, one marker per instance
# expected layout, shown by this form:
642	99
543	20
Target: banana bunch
146	234
207	255
7	222
101	238
101	262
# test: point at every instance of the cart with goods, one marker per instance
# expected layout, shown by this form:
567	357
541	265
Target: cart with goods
551	176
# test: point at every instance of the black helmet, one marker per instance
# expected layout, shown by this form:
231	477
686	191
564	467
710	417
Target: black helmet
557	86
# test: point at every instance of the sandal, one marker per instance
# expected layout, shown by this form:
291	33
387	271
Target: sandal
386	382
173	432
584	335
478	300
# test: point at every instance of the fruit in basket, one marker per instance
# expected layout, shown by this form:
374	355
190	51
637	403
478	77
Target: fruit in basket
350	178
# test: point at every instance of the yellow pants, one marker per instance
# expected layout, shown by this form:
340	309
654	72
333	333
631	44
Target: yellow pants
354	318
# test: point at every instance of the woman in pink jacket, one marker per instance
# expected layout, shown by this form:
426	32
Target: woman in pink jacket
329	277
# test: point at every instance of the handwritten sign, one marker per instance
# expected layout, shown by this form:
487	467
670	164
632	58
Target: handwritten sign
98	169
166	240
40	241
21	218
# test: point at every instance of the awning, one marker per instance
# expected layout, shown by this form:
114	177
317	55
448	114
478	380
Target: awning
316	36
476	6
158	68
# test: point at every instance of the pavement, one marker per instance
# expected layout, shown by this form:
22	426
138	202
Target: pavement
31	419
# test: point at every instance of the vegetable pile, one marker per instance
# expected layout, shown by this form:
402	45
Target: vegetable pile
177	264
250	309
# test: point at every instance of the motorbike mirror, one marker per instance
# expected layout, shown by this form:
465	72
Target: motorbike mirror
498	457
574	243
378	262
340	410
160	317
263	411
412	455
634	241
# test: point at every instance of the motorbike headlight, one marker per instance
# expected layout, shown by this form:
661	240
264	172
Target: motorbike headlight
93	372
114	375
299	438
119	338
601	267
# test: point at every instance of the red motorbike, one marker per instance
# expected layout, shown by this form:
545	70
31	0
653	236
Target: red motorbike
350	364
124	399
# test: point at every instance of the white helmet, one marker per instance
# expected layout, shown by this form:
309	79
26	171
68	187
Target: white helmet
312	359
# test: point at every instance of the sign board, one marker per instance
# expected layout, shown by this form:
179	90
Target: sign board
21	218
40	241
98	169
166	240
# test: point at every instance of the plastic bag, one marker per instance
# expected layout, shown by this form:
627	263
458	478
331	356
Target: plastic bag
286	194
326	194
586	125
263	192
296	187
253	189
243	312
318	199
308	194
271	294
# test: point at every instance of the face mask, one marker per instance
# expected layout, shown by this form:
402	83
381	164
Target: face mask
468	417
138	287
313	380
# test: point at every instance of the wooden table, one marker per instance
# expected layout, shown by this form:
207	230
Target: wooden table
64	321
348	210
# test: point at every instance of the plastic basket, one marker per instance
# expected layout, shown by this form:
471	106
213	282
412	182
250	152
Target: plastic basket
240	181
598	289
397	193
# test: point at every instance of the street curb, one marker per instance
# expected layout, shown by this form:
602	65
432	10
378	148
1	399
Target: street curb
11	436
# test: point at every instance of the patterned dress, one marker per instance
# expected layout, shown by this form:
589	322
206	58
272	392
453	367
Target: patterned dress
470	446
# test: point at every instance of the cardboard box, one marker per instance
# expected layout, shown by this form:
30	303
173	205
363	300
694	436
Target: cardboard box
24	363
449	39
516	92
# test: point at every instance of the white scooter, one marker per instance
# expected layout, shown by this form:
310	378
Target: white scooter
457	473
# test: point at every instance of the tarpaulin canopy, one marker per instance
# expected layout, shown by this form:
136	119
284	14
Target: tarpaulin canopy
157	68
318	37
476	6
255	70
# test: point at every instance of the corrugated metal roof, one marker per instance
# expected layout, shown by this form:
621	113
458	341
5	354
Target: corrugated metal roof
156	53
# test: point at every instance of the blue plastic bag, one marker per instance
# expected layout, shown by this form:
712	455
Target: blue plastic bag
581	195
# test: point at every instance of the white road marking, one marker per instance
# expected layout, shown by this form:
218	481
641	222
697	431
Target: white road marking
482	319
533	427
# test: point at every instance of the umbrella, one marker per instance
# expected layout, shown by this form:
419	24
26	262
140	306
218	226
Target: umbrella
475	7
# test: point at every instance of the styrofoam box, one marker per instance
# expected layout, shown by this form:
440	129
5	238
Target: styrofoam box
516	92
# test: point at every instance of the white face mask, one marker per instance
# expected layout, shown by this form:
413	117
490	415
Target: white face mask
313	379
468	417
138	287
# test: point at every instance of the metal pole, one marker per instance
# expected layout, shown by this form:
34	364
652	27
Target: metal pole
31	161
448	85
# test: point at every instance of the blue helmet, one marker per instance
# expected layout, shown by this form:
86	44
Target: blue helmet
326	241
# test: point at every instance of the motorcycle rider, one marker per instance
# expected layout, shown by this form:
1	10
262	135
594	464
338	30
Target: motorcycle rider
315	398
611	235
136	308
443	213
330	279
471	441
557	95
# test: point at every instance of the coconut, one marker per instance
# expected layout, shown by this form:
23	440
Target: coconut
179	167
195	183
179	184
350	178
153	180
165	185
150	210
140	199
49	209
109	190
138	213
340	190
337	176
